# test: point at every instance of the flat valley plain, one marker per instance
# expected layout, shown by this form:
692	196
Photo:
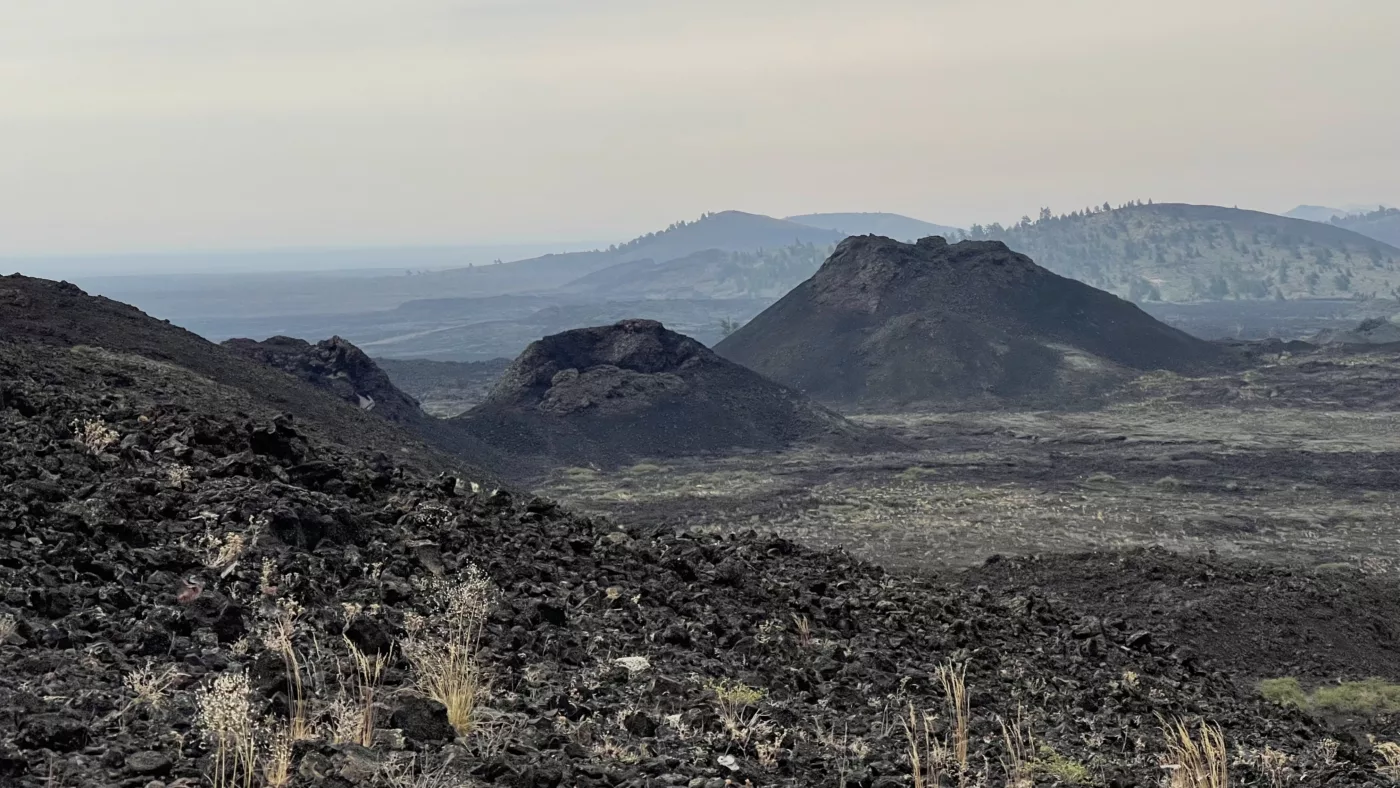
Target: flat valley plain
1296	460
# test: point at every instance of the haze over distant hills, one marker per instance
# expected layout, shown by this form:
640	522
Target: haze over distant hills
1382	224
1373	221
1323	213
889	225
368	261
193	301
707	276
1177	253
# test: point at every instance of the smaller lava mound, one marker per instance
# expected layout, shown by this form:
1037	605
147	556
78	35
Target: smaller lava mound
337	366
1374	331
609	395
885	324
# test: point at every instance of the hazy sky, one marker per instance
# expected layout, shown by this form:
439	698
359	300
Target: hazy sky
170	124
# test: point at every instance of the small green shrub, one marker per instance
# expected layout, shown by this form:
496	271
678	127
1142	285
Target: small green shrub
1369	697
1285	692
1065	770
1372	696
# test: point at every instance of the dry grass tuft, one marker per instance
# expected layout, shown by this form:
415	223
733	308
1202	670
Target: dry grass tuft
148	686
354	713
732	699
279	634
1195	761
443	650
222	551
404	772
1019	763
803	626
1389	753
954	681
276	751
225	718
928	755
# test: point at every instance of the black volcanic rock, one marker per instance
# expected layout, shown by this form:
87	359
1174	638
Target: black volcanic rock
155	523
338	366
61	314
613	394
890	324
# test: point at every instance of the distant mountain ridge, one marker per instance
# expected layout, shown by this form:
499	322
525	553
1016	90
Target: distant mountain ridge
1324	213
726	231
1177	252
1314	213
889	225
712	273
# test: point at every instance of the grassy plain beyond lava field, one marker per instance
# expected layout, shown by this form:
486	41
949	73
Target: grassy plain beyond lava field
1296	461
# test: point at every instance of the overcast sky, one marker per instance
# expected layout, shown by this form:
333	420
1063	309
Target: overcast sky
204	124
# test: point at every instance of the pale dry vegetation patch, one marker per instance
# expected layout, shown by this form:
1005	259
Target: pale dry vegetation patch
332	695
1195	759
149	686
95	435
279	630
1388	753
443	649
353	711
225	717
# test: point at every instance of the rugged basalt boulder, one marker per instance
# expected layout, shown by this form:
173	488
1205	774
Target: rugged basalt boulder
614	394
888	324
337	366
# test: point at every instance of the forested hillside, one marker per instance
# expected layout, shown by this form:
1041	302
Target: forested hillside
1176	252
1382	225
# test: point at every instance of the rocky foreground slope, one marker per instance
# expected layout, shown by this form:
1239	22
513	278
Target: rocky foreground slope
885	324
615	394
192	587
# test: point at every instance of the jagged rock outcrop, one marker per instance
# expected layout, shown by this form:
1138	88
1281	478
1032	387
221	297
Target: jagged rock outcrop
60	314
888	324
335	365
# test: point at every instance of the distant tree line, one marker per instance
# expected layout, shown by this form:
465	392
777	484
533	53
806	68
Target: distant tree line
1149	256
